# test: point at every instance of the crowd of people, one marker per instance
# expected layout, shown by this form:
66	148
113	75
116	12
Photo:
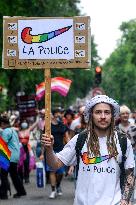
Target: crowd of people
96	128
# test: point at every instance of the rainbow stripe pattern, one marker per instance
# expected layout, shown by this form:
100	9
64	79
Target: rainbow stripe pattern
40	91
58	84
94	160
5	155
40	38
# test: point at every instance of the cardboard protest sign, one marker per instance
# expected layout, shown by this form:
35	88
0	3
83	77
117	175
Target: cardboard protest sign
37	42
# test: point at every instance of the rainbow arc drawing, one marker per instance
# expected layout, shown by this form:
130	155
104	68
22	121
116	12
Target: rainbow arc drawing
28	38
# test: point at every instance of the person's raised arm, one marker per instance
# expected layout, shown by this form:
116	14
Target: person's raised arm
52	160
31	128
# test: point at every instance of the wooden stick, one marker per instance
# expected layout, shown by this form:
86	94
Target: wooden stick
47	74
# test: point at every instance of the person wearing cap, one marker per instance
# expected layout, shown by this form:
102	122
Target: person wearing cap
98	179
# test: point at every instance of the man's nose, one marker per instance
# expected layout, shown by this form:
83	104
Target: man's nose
102	115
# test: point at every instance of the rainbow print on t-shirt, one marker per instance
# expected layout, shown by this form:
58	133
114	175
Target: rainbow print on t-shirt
93	160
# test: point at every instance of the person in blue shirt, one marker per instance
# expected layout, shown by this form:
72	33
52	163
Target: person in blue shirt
10	136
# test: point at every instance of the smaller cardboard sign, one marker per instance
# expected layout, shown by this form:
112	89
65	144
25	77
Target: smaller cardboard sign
26	105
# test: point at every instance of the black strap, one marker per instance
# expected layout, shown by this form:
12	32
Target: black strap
123	144
79	145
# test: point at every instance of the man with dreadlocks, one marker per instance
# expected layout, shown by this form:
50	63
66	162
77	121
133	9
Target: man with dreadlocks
98	179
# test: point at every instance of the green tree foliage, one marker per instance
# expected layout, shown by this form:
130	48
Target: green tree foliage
34	8
25	80
119	76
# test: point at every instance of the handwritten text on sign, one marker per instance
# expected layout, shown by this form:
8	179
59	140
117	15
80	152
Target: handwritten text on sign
46	39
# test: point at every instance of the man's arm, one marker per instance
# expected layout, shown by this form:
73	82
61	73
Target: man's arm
128	187
52	159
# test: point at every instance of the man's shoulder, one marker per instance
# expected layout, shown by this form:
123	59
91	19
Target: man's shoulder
120	134
73	140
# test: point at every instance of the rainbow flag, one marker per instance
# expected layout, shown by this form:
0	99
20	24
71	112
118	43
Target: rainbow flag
58	84
5	155
40	91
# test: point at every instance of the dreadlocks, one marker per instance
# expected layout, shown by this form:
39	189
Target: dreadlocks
93	142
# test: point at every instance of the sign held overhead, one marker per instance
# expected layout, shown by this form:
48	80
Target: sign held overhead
36	42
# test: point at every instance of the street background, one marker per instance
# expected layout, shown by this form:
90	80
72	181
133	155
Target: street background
40	196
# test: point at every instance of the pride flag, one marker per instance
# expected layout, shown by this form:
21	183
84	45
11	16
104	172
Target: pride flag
58	84
5	155
40	91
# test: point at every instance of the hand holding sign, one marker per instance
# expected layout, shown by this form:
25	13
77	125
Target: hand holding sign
47	141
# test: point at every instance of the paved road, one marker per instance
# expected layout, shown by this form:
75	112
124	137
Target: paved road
39	196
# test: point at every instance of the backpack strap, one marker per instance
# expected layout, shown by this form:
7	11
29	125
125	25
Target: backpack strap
123	145
79	145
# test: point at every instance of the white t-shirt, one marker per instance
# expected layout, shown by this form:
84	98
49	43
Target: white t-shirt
98	180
